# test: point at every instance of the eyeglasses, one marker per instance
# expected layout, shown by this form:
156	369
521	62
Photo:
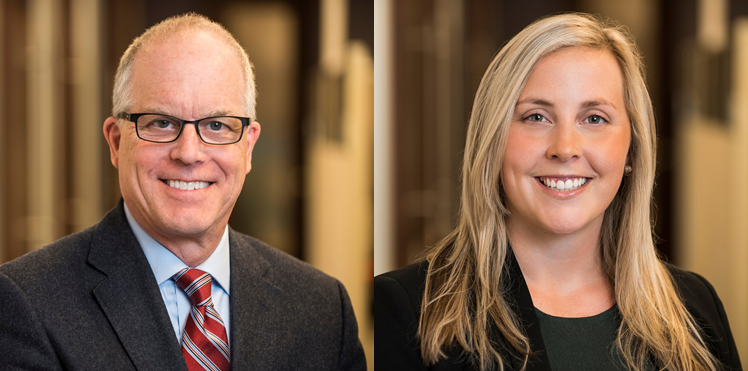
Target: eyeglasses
158	128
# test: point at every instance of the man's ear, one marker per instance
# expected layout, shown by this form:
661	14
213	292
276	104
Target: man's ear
253	133
113	135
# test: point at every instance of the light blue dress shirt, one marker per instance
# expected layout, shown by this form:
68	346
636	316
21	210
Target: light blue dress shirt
165	264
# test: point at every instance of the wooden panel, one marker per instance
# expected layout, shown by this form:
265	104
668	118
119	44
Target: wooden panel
14	128
87	118
45	140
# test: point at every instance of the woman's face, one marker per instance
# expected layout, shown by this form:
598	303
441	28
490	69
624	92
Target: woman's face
568	143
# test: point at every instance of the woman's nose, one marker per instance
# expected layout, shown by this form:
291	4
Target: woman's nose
566	143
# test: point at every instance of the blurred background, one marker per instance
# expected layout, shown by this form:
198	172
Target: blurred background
310	191
431	54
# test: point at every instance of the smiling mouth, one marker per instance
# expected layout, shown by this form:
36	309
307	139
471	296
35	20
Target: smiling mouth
187	186
564	184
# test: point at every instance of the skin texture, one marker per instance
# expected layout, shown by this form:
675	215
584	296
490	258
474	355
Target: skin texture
192	75
570	122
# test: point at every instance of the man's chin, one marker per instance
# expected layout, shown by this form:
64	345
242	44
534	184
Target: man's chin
187	230
187	223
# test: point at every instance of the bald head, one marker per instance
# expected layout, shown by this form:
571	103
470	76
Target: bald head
180	28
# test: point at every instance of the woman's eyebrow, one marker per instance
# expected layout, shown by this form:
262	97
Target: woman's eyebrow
539	102
587	104
598	102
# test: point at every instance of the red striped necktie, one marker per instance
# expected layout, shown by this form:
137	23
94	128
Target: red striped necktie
204	341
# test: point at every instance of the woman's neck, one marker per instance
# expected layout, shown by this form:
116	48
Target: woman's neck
564	273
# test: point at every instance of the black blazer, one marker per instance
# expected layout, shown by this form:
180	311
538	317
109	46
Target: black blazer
90	302
397	306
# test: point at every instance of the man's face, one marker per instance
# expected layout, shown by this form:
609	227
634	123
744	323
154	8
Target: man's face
191	78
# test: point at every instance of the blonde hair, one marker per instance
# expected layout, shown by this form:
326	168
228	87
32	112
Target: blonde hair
180	25
465	290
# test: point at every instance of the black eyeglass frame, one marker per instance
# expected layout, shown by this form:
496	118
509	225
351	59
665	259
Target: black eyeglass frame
133	117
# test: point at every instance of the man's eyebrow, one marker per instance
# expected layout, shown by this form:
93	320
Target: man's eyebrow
218	113
209	114
156	110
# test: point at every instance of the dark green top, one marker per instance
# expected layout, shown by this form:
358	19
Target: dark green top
582	343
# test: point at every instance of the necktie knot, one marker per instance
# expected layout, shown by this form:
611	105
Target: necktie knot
196	284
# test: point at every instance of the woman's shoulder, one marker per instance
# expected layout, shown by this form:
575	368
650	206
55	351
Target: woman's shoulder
409	275
697	293
703	303
397	306
407	281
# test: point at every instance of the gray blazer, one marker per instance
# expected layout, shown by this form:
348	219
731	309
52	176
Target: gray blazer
90	302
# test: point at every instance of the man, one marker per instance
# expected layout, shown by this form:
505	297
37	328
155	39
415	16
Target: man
162	283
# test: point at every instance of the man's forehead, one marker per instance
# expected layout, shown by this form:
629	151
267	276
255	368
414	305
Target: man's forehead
188	105
180	49
190	78
185	39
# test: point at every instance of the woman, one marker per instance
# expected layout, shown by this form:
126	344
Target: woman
552	264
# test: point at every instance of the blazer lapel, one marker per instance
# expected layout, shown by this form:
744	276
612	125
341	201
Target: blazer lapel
255	307
526	311
130	297
522	302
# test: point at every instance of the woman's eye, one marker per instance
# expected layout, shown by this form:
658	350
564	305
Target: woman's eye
535	117
595	119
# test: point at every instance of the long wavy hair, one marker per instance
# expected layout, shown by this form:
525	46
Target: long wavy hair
465	291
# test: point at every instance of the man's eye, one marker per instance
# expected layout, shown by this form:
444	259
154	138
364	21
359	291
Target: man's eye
160	124
163	124
595	119
215	125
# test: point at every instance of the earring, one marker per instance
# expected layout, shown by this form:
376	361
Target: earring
627	170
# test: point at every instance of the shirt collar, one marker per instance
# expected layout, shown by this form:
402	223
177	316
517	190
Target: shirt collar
165	264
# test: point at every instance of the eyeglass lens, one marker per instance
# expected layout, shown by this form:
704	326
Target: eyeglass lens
215	130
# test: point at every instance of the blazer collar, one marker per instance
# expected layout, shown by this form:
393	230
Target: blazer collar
526	310
255	304
129	296
521	302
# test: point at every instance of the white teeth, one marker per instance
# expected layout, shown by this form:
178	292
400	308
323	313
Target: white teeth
564	186
187	186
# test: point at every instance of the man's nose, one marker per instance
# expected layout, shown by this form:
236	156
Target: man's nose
188	147
566	142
